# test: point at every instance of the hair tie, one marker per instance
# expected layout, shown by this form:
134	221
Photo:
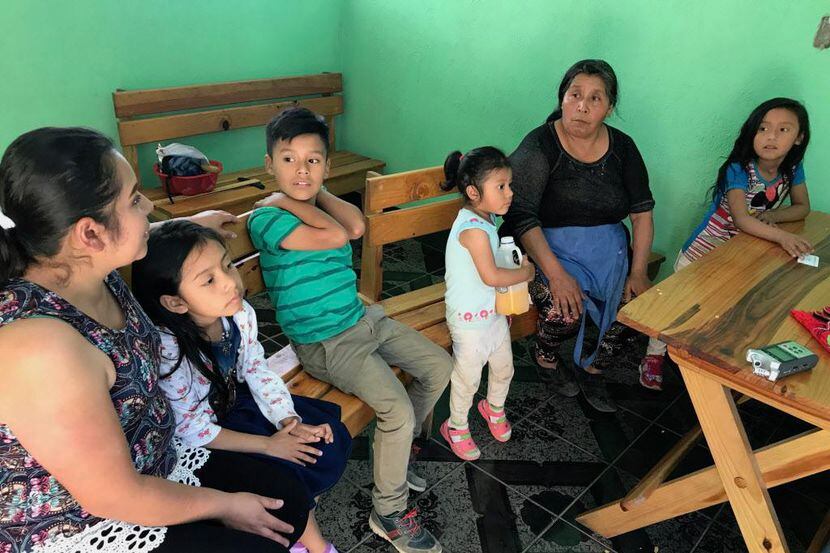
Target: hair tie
6	222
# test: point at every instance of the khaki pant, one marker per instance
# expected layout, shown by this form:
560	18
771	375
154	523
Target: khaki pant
357	361
655	346
471	350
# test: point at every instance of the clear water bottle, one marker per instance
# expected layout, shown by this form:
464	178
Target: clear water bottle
510	300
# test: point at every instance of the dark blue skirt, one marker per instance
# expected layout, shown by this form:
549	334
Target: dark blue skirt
246	417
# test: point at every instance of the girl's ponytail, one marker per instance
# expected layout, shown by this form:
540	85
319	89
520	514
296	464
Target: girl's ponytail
451	166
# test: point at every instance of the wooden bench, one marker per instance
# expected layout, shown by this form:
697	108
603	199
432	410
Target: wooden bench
168	114
389	219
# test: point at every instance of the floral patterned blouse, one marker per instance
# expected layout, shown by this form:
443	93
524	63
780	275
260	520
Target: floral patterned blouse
34	506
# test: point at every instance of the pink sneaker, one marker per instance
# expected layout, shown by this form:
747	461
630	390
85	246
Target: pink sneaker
461	442
496	421
651	372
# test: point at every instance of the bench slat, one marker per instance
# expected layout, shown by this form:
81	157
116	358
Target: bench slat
410	222
402	188
129	103
440	334
358	165
424	317
142	131
397	305
251	273
241	246
306	385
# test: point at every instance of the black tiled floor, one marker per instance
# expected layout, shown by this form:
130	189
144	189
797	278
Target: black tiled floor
563	459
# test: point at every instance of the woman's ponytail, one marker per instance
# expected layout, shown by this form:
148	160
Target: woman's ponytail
451	166
13	261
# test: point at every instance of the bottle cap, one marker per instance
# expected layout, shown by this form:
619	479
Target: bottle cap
507	240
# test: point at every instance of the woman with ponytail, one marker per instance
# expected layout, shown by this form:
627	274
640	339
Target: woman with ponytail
88	459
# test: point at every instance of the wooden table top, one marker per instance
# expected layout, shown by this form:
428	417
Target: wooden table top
738	297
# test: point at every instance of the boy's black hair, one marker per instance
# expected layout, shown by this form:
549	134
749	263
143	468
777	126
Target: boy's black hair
292	123
743	152
159	274
471	169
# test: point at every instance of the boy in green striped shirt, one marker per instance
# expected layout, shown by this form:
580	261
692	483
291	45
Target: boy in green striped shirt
303	235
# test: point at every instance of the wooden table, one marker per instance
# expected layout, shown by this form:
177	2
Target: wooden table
738	296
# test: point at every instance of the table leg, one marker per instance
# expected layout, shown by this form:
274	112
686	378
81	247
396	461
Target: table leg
735	462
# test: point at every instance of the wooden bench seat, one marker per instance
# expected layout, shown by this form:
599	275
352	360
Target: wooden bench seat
156	115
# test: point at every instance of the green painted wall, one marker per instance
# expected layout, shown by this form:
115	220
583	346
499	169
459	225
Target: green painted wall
426	77
60	61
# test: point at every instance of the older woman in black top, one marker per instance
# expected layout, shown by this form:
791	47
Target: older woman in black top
575	179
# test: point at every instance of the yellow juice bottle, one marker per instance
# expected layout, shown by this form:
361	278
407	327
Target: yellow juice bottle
510	300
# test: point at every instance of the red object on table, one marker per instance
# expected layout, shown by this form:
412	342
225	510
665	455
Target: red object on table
817	322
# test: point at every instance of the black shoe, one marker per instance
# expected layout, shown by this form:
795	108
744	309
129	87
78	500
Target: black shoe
560	379
596	393
404	532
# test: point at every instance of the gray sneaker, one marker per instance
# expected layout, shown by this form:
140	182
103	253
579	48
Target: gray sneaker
404	532
414	481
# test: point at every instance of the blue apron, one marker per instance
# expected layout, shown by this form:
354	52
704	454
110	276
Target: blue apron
597	257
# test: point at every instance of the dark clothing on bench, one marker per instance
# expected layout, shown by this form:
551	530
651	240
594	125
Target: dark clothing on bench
245	416
236	472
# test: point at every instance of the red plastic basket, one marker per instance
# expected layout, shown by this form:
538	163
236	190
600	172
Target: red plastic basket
188	186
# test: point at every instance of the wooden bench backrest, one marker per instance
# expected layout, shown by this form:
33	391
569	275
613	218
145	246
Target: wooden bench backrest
245	256
146	116
385	227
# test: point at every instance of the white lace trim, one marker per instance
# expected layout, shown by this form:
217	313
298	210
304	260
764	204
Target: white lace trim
122	537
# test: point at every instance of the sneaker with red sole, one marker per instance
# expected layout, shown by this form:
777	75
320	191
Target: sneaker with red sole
651	372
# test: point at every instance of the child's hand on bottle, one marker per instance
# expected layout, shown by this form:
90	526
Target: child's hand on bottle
794	244
530	269
314	433
286	445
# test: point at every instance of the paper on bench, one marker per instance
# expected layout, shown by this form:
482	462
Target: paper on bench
283	361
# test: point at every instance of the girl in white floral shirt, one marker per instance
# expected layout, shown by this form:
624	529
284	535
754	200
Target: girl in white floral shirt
214	372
